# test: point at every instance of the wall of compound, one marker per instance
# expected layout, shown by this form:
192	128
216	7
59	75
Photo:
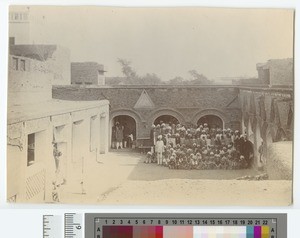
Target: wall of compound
76	138
187	104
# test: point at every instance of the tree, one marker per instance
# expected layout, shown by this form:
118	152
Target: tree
198	78
128	71
132	78
151	79
176	81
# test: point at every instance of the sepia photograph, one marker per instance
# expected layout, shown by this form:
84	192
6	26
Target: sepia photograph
168	106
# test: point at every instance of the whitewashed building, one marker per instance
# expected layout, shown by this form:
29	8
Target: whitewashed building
36	122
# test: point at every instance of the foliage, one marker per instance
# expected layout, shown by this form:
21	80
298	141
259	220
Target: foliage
132	78
198	78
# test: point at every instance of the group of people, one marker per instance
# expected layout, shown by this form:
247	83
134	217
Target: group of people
121	136
199	147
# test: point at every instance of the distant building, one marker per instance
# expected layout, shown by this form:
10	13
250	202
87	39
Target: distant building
88	73
247	81
19	25
276	72
26	28
21	45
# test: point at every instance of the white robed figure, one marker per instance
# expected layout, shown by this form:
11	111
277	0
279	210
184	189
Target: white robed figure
159	149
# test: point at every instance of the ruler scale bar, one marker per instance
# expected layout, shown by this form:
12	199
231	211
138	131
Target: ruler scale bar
52	226
73	225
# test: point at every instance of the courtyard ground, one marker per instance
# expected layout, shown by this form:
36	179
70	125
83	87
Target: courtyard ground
122	178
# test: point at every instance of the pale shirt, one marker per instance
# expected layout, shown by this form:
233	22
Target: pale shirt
159	147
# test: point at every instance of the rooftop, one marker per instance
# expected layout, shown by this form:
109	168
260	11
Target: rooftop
89	65
38	52
275	61
20	113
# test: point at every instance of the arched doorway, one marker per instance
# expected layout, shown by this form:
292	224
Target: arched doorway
213	121
167	119
128	125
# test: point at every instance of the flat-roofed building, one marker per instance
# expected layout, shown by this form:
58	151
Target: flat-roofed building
87	73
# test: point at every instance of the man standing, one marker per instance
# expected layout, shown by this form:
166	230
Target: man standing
247	151
159	149
113	136
152	135
56	154
119	135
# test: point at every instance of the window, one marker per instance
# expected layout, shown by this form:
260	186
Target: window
15	63
30	149
22	65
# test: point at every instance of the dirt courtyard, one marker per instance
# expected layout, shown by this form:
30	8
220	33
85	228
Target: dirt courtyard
122	178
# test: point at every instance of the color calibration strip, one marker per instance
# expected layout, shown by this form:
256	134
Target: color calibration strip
185	225
186	232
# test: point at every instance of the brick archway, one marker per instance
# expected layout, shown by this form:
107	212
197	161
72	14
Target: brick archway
207	112
167	111
125	112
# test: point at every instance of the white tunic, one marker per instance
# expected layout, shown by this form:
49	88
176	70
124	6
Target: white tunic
159	147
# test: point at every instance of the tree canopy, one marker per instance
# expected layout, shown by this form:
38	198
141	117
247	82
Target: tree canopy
132	78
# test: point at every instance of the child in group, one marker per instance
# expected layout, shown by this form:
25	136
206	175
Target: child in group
172	162
148	158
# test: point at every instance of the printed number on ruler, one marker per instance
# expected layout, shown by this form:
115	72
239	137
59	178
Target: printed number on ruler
73	225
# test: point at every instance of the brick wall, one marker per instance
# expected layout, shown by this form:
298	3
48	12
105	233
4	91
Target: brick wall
198	97
185	103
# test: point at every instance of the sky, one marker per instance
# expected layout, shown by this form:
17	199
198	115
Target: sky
217	42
